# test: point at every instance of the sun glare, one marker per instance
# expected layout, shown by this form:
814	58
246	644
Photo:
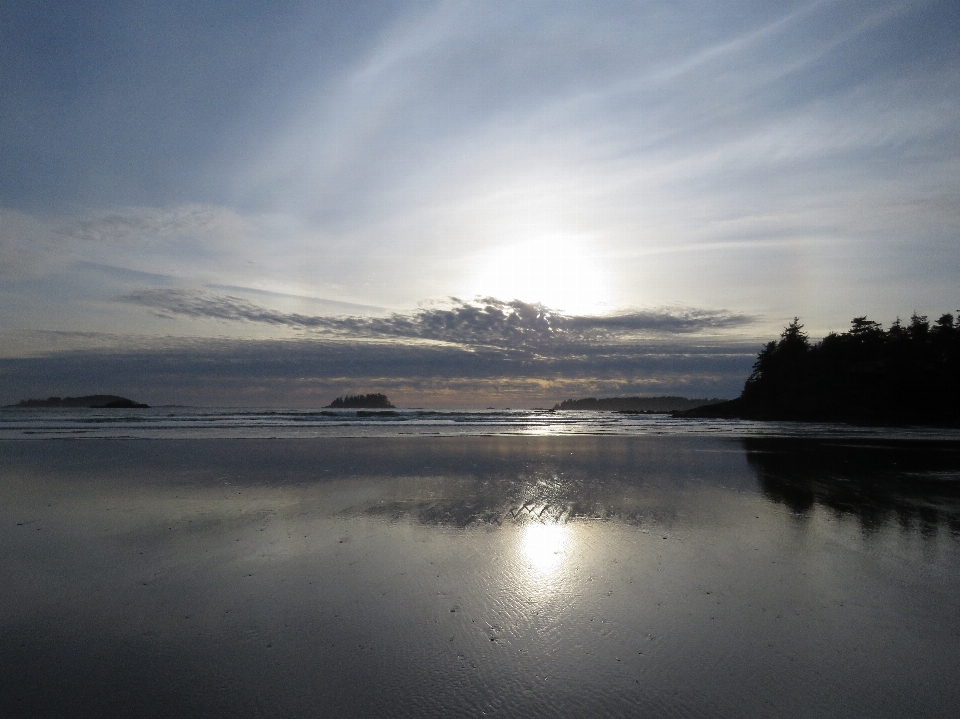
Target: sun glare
543	545
561	273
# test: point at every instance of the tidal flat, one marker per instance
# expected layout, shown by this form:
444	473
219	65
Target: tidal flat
573	576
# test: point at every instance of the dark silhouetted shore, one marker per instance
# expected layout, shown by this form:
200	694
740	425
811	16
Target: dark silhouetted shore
635	404
907	374
92	401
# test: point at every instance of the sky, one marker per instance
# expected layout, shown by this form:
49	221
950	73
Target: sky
463	204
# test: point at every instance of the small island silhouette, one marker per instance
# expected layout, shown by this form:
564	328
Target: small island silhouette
635	404
907	374
91	401
361	401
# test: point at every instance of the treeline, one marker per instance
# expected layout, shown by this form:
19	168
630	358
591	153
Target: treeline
634	404
361	401
908	373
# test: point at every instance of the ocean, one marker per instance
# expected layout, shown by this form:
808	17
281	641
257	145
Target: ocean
245	423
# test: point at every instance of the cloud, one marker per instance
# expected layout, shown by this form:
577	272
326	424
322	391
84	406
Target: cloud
456	354
776	158
24	244
137	225
490	322
190	239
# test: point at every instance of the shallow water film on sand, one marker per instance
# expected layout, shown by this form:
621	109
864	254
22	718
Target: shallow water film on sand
579	576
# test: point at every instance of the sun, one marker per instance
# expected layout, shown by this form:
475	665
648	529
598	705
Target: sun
562	273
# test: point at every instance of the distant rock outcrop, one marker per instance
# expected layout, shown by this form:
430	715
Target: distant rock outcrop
361	401
92	401
635	404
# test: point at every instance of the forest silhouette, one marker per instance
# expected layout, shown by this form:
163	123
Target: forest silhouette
907	374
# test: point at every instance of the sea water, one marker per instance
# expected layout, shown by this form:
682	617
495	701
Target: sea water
195	422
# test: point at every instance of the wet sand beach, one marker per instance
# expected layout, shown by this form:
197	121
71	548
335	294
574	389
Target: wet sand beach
658	576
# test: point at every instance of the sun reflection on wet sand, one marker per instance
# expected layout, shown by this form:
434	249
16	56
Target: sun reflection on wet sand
544	546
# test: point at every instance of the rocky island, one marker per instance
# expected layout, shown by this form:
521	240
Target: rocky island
92	401
361	401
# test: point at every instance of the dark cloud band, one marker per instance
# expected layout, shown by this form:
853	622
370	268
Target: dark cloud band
489	322
302	372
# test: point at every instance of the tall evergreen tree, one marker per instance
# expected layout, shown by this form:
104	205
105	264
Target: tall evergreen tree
866	374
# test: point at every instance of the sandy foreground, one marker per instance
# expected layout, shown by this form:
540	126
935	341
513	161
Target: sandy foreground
505	576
